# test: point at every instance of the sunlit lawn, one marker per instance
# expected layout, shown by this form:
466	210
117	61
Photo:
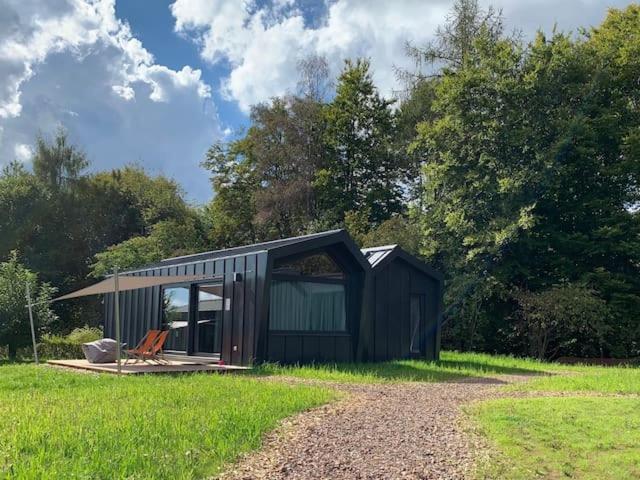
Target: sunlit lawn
592	433
579	438
56	424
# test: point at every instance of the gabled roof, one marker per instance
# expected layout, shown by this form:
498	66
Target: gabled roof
379	257
276	245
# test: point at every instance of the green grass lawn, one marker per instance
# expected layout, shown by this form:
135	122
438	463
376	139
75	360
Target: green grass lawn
56	424
594	434
451	366
580	438
609	380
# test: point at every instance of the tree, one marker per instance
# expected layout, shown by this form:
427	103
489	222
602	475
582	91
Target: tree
230	215
554	320
15	329
313	72
363	171
58	163
530	171
455	41
167	239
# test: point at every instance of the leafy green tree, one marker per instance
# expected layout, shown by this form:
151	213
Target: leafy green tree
554	320
531	177
152	199
57	164
230	215
363	171
286	147
167	238
15	331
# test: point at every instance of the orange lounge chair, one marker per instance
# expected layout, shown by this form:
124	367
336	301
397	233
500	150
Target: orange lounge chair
156	353
143	347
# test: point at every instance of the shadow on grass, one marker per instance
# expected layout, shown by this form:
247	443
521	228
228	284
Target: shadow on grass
488	368
399	370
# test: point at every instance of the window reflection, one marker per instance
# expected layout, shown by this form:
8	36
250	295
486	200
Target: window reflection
176	317
208	338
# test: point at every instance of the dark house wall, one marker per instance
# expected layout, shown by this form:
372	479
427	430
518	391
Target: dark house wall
141	310
306	347
378	303
391	328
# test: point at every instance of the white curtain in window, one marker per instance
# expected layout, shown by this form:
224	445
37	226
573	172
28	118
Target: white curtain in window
307	306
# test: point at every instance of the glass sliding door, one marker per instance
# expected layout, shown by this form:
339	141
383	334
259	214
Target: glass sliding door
207	328
175	312
193	316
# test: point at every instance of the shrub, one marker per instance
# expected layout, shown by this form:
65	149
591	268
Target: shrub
69	346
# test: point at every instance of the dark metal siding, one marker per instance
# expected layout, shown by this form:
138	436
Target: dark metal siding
141	310
393	285
307	347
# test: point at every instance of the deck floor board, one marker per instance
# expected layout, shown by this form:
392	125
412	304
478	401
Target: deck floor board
145	368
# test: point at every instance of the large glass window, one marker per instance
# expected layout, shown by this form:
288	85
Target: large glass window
316	265
176	317
208	328
307	306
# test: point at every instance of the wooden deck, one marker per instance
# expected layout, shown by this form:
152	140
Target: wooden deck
145	368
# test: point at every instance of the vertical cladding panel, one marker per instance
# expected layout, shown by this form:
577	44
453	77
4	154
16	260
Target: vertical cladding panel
343	349
248	353
325	348
123	310
293	349
238	311
227	322
260	330
209	268
108	315
393	310
127	324
148	305
134	319
381	300
404	318
309	348
156	304
141	314
199	268
277	348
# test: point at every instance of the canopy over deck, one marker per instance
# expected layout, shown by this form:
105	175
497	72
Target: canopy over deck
108	285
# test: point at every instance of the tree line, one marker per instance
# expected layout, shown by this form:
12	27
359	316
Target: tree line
511	166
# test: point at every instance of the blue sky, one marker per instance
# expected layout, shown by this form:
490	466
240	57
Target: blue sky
157	82
152	23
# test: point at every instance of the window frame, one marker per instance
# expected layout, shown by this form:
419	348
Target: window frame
307	279
193	288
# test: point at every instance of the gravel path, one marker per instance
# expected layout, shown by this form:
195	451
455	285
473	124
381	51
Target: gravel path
396	431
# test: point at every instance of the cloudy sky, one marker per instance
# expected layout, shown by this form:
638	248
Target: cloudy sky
156	82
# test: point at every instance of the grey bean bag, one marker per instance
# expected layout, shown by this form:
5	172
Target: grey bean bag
100	351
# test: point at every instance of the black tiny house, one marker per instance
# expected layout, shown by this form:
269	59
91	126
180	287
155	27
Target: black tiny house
303	299
406	303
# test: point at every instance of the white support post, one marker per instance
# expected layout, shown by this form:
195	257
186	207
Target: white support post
116	307
33	328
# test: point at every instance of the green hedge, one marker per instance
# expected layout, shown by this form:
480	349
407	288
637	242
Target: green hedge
69	346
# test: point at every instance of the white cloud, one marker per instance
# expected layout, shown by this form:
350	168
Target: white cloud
72	62
263	44
23	152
